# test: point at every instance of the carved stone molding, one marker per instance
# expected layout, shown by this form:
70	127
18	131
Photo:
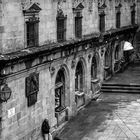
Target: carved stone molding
101	6
32	83
52	70
31	11
75	3
73	63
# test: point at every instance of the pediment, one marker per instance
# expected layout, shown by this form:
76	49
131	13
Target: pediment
119	5
103	6
79	7
33	7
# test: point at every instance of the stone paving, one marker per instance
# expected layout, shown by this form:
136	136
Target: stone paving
111	117
129	77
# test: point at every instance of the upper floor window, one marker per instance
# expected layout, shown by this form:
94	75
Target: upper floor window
61	26
102	22
118	19
132	17
133	14
31	13
101	10
78	20
118	15
32	33
78	27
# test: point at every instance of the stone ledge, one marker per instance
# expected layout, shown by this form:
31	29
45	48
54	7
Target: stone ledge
52	47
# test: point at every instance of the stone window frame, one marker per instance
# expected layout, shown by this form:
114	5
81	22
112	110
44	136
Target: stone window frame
118	15
102	20
31	17
32	33
79	77
32	88
133	14
77	11
61	26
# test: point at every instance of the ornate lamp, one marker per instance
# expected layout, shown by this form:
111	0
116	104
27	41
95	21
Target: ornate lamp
5	93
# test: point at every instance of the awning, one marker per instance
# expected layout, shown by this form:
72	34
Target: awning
127	46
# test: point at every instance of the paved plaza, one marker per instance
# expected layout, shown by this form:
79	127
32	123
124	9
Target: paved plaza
112	117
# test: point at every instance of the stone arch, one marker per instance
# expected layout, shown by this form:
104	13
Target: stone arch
60	84
95	66
63	72
116	52
107	57
80	72
107	63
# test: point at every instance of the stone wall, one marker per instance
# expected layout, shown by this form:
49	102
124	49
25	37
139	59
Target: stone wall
13	21
25	122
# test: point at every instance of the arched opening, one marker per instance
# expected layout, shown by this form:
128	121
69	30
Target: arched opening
79	85
94	68
95	88
117	53
60	91
79	77
117	58
107	64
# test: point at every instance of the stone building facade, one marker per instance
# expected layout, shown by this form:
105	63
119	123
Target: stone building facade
54	56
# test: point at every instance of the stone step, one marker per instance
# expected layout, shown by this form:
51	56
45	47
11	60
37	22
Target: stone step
120	85
120	91
120	88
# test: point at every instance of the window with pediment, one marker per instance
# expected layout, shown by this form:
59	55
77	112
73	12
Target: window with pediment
118	15
61	26
31	13
133	14
32	88
101	10
78	20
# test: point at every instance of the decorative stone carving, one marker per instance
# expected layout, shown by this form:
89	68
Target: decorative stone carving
31	11
101	3
73	64
52	70
32	83
101	6
75	3
101	38
89	57
90	7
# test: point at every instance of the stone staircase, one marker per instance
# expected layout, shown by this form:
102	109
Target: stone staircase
120	88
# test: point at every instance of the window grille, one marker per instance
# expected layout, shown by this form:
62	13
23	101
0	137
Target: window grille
61	29
102	23
133	17
78	27
118	19
32	34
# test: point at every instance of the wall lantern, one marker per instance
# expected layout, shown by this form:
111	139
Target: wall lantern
5	93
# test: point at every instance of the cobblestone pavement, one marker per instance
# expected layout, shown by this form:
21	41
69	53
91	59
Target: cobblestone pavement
112	117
